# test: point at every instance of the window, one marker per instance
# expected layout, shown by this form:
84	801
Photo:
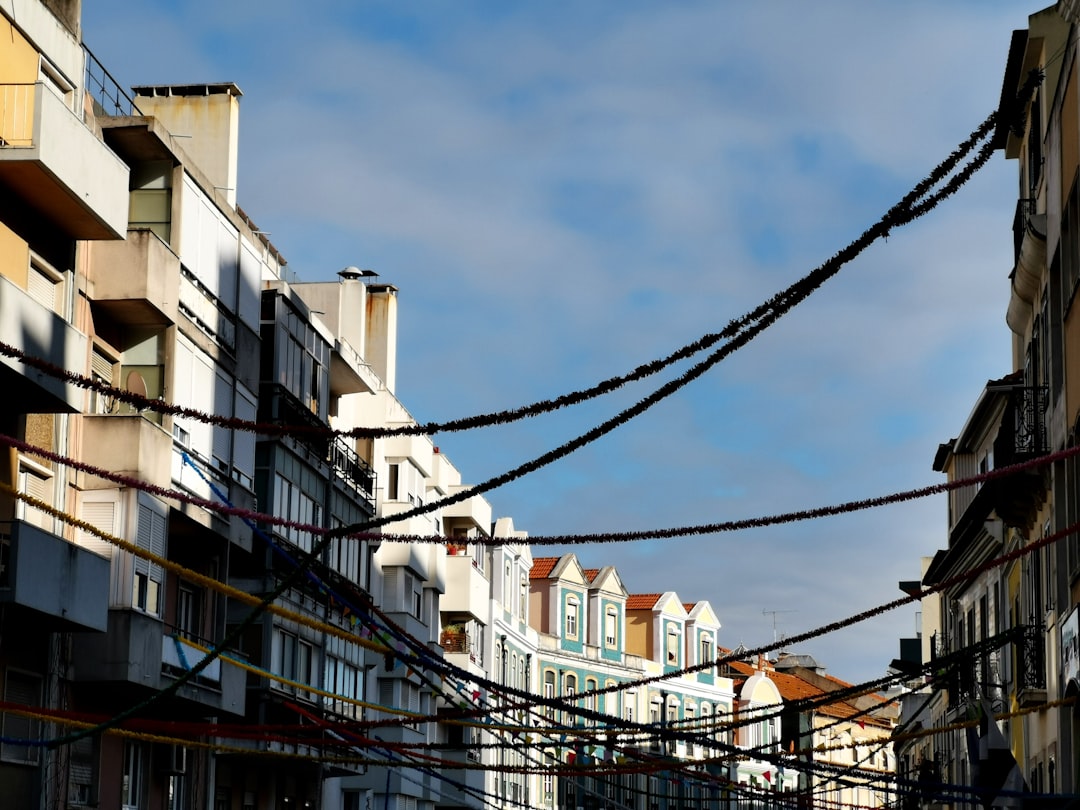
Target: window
672	647
188	602
569	692
294	504
134	776
611	626
571	616
549	692
45	285
1070	245
392	482
523	599
292	659
150	200
37	482
706	647
149	578
23	689
176	792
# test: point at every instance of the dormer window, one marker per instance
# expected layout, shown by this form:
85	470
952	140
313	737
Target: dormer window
572	606
611	626
706	648
672	645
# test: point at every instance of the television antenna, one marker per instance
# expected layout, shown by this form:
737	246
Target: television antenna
774	613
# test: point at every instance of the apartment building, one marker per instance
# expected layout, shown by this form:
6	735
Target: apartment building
61	187
998	636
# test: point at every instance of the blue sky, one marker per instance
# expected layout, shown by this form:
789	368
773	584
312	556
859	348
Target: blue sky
562	191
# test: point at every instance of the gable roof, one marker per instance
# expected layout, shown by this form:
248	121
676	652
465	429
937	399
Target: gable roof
542	566
642	601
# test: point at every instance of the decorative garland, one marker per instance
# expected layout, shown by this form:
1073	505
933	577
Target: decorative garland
904	212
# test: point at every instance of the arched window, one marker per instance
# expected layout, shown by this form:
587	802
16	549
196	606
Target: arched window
611	626
569	691
549	692
672	647
523	599
590	697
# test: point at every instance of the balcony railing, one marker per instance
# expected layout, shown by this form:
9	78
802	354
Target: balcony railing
1031	658
454	642
109	98
1029	405
353	470
1025	207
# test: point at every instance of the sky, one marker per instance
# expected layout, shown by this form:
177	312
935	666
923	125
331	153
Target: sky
564	190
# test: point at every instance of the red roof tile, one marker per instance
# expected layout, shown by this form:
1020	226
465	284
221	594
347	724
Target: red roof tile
642	601
542	566
590	573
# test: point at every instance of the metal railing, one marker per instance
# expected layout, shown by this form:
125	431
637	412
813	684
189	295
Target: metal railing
1029	405
1031	658
1025	208
353	470
108	97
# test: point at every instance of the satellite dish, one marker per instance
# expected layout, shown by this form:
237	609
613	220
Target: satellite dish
136	384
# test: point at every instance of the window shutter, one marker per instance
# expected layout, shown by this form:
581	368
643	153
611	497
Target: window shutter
42	289
223	404
37	486
102	515
23	690
386	692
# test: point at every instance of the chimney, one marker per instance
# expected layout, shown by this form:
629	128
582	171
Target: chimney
205	118
380	343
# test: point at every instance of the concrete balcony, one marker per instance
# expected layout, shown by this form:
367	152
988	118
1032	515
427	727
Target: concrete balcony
349	372
418	449
129	444
129	653
138	656
136	281
63	587
467	589
39	332
421	525
51	159
472	513
222	686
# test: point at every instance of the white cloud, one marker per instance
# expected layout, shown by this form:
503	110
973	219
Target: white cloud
564	191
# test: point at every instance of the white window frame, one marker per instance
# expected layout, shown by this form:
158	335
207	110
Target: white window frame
572	608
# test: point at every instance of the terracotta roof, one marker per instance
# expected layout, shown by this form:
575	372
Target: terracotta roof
642	601
542	566
590	573
688	606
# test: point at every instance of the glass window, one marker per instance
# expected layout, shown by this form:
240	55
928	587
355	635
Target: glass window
571	617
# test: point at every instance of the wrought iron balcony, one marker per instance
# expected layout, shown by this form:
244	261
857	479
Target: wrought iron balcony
1025	208
353	470
1029	404
1030	659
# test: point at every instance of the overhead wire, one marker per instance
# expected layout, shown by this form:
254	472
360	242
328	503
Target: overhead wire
902	213
911	207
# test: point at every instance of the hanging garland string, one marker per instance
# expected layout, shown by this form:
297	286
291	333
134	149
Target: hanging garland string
845	507
900	213
904	212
